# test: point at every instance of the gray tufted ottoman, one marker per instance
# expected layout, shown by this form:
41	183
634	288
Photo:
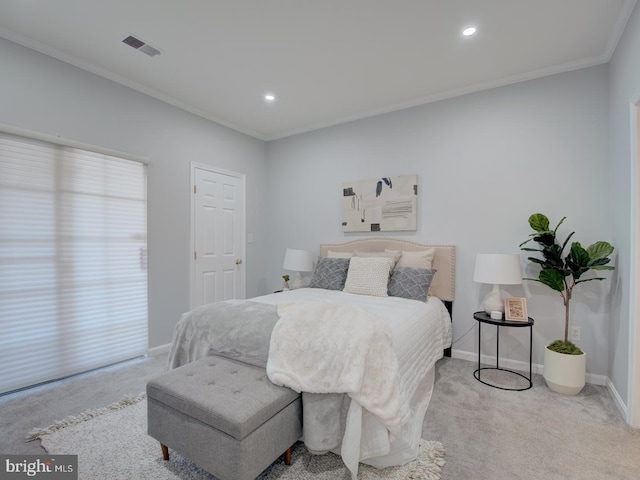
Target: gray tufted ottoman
225	416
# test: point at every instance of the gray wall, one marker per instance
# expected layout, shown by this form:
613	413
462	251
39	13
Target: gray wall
47	96
624	82
485	162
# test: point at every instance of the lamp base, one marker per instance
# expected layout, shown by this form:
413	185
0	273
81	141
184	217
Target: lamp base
298	282
493	302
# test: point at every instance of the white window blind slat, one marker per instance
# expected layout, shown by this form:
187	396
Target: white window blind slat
73	267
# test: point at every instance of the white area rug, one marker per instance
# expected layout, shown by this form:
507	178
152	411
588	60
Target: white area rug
112	443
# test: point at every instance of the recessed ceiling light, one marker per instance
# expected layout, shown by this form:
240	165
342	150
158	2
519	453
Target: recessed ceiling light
269	97
469	31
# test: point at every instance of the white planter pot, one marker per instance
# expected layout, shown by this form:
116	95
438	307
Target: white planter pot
564	373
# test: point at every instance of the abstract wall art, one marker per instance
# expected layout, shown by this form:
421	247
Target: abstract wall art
386	204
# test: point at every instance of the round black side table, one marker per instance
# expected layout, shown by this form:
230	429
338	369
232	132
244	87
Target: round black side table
483	317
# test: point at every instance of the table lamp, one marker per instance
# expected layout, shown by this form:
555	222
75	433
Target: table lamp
298	261
497	269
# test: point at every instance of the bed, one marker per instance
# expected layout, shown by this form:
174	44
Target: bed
399	338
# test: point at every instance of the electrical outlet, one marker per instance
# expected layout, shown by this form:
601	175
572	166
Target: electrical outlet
574	334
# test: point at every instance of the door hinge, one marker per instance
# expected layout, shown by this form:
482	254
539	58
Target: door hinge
195	189
195	255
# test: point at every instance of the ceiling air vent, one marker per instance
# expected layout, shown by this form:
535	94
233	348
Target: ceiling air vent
140	45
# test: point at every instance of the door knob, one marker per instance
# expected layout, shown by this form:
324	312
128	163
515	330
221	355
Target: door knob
238	261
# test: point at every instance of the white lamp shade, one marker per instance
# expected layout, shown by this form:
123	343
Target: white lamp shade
298	260
498	268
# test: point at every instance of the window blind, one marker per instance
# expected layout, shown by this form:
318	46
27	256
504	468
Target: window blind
73	247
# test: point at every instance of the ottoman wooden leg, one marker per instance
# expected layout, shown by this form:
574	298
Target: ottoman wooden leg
287	456
165	451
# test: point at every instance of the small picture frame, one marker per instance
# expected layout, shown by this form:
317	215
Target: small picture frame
515	309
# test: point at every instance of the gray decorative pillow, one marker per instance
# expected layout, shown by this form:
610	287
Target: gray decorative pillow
330	273
412	283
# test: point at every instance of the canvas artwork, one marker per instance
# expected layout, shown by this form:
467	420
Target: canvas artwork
385	204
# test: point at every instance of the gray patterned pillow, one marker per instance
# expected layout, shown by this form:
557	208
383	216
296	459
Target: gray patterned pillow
330	273
412	283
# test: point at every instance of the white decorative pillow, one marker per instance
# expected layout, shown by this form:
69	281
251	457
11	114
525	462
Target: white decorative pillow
419	259
368	276
332	254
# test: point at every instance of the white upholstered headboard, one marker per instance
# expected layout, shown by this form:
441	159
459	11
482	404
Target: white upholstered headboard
443	285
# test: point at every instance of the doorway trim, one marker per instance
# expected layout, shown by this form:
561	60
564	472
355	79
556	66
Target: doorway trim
633	397
192	237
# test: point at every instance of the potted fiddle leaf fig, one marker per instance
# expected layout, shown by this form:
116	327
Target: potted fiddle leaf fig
562	270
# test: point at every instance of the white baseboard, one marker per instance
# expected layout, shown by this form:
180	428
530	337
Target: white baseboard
521	366
622	408
594	379
491	360
161	350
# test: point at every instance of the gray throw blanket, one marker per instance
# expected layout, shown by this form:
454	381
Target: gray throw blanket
234	329
241	330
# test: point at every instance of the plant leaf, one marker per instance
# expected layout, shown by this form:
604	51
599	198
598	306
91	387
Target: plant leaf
598	262
599	250
539	222
579	255
553	279
558	225
553	256
567	241
545	238
577	260
536	260
589	279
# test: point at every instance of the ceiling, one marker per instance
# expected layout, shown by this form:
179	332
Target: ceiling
325	61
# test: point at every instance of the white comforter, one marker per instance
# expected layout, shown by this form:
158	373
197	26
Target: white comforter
420	332
319	346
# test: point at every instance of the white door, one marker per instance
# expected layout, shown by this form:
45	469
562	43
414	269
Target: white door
218	223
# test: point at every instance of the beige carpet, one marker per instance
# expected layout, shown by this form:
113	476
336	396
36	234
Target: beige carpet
112	443
489	434
536	434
